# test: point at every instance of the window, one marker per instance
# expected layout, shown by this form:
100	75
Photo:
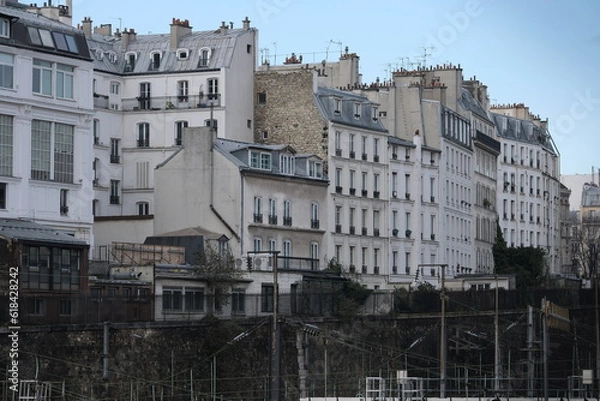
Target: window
6	145
338	180
257	244
204	58
42	77
179	126
66	307
262	98
314	251
172	299
64	206
182	54
182	91
130	59
287	164
51	151
338	219
338	143
213	88
143	208
155	61
142	170
267	297
315	169
356	110
4	28
144	96
46	38
211	123
96	129
64	42
36	307
363	259
364	147
115	88
287	213
115	192
6	69
376	150
64	81
3	195
337	105
314	215
258	217
272	211
352	146
287	253
115	150
261	160
375	113
238	301
143	140
194	299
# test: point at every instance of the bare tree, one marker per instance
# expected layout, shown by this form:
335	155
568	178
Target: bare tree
217	269
585	247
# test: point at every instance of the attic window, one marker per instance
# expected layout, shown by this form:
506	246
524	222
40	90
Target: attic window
204	57
46	37
99	54
338	106
4	28
65	42
154	61
182	54
375	114
130	62
112	57
356	110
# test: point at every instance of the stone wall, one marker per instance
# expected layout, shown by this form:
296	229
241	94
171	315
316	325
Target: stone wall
289	114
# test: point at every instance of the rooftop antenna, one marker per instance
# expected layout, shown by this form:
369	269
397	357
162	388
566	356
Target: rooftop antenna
264	55
425	54
275	53
329	44
120	22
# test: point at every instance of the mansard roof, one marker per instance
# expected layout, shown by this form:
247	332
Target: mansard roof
220	45
590	196
523	131
468	102
24	24
325	99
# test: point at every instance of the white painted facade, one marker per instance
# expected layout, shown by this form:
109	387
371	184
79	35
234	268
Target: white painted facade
46	144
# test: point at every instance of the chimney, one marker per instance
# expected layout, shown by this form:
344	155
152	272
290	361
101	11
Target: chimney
86	25
179	28
246	23
223	27
104	30
127	36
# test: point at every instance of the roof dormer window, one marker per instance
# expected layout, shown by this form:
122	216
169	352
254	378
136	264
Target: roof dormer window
183	54
287	164
130	59
356	110
4	28
154	61
99	54
112	57
375	114
337	103
260	160
204	60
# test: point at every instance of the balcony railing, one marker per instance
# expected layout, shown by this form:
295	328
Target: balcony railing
258	217
287	221
171	102
272	219
314	224
115	159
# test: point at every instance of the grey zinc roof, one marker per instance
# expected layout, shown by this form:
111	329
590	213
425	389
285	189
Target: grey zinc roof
590	195
221	46
324	99
469	103
25	230
523	131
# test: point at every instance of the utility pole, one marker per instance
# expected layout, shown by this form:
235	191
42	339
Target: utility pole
443	335
275	349
496	344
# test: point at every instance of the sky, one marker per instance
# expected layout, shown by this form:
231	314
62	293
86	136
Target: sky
543	53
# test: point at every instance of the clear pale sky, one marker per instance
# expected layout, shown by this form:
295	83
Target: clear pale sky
544	53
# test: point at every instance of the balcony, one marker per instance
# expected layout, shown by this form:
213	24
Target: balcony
338	152
171	102
364	156
287	221
376	232
352	191
376	194
394	156
338	228
375	269
376	158
314	224
272	219
143	143
258	217
338	189
64	210
407	196
395	232
114	200
352	154
364	231
364	269
116	159
352	230
95	182
364	193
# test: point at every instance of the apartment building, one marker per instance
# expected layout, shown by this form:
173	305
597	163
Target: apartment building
46	114
529	190
147	89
